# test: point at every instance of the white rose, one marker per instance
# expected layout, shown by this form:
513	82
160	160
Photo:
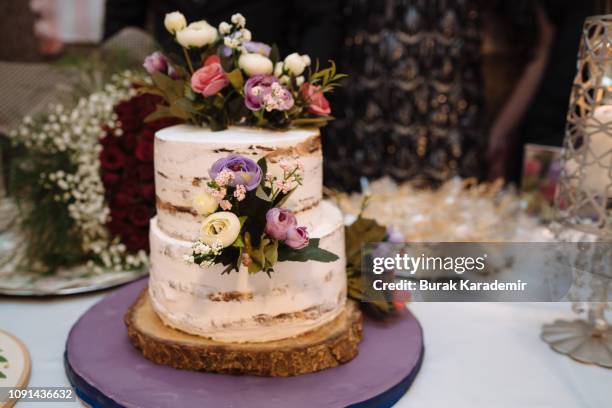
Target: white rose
255	64
306	60
278	69
197	34
204	203
221	227
295	64
175	21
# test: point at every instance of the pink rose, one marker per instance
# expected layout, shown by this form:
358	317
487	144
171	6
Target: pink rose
278	222
212	59
297	237
317	103
209	79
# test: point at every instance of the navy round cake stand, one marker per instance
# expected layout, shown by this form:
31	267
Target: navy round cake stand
107	371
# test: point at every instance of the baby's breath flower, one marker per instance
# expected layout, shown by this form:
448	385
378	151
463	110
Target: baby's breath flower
239	20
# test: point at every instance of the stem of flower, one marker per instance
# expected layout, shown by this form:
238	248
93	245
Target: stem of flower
188	59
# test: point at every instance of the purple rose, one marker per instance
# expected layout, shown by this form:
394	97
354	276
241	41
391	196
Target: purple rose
245	171
394	235
158	63
252	47
255	47
297	237
253	99
265	92
278	222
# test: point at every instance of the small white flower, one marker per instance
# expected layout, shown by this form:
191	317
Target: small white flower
296	63
245	34
224	177
299	80
240	192
230	42
220	228
284	186
174	22
239	20
224	28
218	194
197	35
255	64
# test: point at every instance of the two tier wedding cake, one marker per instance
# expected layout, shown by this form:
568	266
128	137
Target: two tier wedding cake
248	269
241	307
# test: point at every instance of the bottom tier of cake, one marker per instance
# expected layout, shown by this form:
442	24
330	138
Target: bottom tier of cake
237	307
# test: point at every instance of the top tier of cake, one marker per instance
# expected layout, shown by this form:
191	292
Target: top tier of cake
183	155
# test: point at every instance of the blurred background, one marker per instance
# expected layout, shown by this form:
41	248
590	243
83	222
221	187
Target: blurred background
436	88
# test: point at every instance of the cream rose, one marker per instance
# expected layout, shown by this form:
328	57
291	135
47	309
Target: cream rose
255	64
296	63
221	228
175	21
197	35
204	203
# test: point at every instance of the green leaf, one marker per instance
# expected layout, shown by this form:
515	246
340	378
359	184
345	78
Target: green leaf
310	253
261	194
172	89
271	253
242	220
160	112
2	375
3	359
238	243
178	112
236	79
227	63
186	105
263	165
254	267
274	54
281	199
360	232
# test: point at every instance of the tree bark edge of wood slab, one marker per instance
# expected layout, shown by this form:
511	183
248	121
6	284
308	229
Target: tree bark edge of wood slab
330	345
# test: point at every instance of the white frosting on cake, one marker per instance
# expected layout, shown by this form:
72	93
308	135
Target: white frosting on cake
238	307
183	155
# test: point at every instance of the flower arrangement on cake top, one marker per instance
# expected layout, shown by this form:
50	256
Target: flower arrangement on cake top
225	78
252	229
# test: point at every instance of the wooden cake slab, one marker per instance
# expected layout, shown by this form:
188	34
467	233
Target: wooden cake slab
106	370
328	346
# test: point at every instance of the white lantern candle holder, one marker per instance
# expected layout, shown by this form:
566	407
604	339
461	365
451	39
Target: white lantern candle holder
583	201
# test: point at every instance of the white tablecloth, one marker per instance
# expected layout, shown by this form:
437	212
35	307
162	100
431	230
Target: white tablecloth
476	354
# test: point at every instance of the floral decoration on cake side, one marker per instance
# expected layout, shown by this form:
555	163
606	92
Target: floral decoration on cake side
246	223
225	78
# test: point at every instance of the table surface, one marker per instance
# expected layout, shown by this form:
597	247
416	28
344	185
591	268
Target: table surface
476	354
